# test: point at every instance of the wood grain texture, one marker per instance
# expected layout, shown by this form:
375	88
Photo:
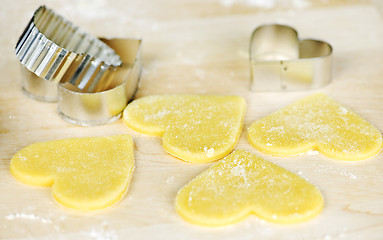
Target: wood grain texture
199	47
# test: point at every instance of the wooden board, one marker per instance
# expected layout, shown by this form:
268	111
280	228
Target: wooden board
197	47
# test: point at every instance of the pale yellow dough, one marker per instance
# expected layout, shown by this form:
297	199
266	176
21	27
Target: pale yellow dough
242	184
194	128
86	173
316	122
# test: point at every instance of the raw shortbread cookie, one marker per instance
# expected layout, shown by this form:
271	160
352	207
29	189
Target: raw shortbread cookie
86	173
194	128
316	122
242	184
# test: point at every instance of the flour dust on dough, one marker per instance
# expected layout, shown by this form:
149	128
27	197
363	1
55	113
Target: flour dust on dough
243	184
316	122
194	128
85	173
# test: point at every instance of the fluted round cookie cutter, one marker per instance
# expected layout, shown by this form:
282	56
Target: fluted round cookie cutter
97	96
92	79
280	61
51	46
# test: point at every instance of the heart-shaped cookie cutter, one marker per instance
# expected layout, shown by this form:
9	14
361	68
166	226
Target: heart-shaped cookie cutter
51	46
280	61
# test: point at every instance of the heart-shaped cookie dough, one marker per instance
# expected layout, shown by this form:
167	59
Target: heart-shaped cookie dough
242	184
194	128
86	173
316	122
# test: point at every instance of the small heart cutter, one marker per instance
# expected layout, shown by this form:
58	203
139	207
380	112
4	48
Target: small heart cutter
92	79
280	61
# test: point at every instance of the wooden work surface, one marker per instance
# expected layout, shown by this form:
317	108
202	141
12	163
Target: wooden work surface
199	47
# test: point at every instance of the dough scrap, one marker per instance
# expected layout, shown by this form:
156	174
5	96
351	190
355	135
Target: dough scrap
242	184
85	173
194	128
316	122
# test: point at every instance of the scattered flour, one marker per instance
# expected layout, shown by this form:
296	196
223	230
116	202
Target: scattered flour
343	110
238	170
15	216
209	152
335	170
312	152
170	180
269	4
200	73
102	234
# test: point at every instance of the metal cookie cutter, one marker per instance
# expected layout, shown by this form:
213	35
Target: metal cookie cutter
95	97
280	61
51	47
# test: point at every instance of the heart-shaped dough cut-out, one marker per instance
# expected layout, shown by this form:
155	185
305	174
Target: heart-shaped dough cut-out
86	173
316	122
242	184
194	128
